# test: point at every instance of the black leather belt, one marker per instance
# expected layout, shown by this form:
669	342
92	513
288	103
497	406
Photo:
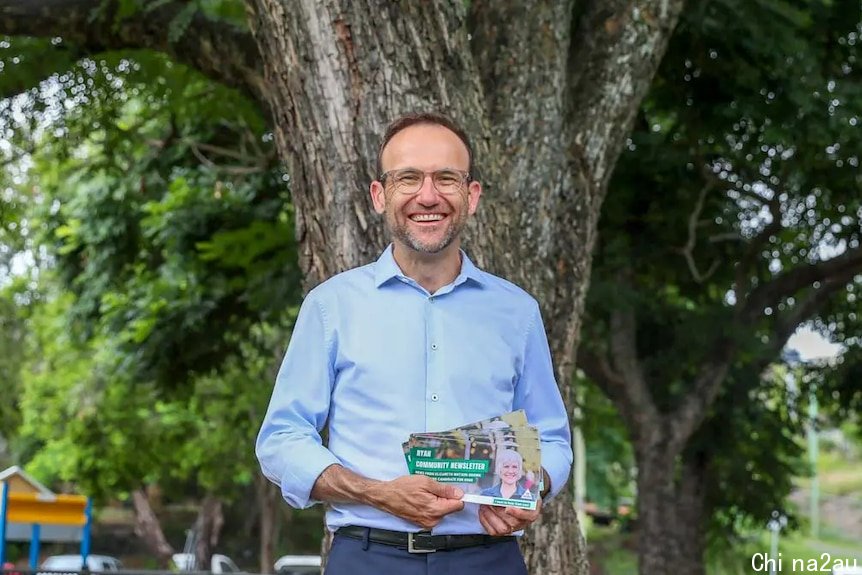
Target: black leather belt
419	542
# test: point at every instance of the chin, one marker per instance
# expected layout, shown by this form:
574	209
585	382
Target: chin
435	247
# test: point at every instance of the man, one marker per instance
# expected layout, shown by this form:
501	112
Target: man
420	340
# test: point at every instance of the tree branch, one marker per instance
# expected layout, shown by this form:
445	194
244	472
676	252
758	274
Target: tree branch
219	50
806	308
787	323
625	382
786	284
745	269
832	274
635	415
616	48
691	412
623	340
687	250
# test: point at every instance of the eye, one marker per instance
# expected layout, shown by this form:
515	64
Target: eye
447	178
408	177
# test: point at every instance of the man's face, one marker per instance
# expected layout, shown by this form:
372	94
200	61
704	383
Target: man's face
426	222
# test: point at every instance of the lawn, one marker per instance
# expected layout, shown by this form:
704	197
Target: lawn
613	553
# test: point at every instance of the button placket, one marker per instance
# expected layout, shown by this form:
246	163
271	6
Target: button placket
434	372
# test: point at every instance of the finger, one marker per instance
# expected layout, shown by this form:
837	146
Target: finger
522	514
496	524
485	525
491	524
525	514
512	523
447	506
443	490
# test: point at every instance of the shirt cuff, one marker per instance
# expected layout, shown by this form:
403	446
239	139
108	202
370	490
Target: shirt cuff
557	461
306	464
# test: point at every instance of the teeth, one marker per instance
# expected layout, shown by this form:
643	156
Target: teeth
426	217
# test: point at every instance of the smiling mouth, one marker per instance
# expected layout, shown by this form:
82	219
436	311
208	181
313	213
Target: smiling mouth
427	218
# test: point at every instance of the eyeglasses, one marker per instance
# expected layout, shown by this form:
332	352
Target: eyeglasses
409	180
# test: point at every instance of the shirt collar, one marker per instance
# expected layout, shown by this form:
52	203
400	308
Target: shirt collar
386	268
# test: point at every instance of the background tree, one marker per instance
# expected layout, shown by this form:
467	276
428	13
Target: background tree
548	91
734	218
168	261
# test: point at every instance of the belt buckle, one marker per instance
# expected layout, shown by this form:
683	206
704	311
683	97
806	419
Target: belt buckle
411	542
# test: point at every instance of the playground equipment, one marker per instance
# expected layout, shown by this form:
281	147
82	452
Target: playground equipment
29	511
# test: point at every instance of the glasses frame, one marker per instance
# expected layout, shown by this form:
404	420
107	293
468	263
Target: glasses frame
465	179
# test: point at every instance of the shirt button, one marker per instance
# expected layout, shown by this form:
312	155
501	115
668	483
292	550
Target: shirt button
433	346
434	397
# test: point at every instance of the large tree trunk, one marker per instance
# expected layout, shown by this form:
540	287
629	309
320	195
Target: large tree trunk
148	528
548	96
208	527
671	504
656	501
691	516
268	503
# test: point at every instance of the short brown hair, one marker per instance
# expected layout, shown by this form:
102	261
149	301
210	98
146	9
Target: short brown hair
415	118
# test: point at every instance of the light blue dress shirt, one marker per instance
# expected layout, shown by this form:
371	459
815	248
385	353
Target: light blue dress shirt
379	357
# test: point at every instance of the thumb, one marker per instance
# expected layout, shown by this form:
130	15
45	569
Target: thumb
446	491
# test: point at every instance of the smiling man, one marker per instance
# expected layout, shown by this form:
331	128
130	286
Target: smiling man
420	340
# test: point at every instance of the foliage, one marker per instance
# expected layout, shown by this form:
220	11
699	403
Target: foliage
743	167
609	457
168	278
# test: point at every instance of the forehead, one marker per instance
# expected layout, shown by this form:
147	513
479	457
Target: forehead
425	146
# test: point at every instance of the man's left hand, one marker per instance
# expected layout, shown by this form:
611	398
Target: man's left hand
507	520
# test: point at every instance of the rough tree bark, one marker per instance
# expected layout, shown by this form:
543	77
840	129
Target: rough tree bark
268	501
148	528
549	96
547	90
208	526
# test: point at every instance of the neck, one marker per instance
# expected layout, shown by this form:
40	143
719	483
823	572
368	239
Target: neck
507	490
431	271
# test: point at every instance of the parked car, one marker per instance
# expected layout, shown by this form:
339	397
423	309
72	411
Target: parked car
95	563
298	565
218	564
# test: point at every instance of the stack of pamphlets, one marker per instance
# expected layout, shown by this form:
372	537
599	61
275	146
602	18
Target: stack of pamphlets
495	461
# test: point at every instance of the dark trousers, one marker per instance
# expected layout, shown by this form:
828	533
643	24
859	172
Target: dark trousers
356	557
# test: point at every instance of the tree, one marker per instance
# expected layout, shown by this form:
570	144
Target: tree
734	217
164	220
548	91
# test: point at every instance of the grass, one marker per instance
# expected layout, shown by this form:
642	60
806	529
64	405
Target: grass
613	553
838	474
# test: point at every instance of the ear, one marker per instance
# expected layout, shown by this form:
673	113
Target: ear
474	192
378	196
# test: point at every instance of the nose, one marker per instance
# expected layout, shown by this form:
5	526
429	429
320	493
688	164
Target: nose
427	195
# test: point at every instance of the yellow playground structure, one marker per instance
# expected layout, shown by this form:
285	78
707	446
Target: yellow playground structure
29	511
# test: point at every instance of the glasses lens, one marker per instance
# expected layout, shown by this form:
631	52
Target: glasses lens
448	181
407	181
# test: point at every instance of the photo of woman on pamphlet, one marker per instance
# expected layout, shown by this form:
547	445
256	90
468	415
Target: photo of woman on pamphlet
509	471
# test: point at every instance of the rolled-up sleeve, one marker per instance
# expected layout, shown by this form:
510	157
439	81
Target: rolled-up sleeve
537	393
289	446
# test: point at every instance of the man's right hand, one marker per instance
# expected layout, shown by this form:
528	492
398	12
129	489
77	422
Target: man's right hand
418	499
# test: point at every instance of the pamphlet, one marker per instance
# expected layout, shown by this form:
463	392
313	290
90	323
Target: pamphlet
496	461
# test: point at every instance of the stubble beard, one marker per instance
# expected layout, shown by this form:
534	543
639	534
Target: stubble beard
402	234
